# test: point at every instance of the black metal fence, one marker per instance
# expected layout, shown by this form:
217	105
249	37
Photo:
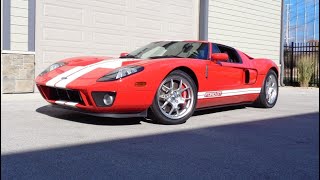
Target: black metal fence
292	54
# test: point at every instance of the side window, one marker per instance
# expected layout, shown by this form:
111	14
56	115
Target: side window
215	49
199	51
232	53
203	51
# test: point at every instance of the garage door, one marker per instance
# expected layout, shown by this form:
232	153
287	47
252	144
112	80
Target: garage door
253	26
67	28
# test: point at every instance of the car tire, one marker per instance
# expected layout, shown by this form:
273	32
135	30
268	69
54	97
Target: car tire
269	91
175	99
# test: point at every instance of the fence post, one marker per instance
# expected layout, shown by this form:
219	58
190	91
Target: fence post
291	65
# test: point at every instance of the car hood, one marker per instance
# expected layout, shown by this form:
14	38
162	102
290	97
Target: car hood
91	67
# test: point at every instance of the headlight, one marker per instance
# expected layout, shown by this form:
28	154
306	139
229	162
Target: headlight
52	67
121	73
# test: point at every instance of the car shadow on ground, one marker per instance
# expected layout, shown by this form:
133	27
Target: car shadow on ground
93	120
217	109
86	119
277	148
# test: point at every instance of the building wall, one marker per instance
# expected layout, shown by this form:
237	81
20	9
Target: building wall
68	28
17	61
17	73
1	42
252	26
19	25
76	28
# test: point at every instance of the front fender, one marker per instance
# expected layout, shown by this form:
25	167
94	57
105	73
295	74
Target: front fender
154	73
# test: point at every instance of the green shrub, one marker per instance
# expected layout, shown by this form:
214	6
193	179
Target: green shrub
305	67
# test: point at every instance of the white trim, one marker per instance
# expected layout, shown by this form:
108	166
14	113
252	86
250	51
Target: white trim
16	52
73	104
224	93
66	103
60	102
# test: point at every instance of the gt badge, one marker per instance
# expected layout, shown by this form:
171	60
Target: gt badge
213	94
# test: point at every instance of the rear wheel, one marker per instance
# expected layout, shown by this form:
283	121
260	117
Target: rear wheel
269	91
175	99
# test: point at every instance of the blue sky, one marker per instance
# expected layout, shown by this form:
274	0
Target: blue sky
297	19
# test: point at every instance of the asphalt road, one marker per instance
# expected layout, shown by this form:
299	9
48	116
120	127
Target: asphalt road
38	142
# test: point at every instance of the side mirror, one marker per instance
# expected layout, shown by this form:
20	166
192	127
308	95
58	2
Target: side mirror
123	54
219	57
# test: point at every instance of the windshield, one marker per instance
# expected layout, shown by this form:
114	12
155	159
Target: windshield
171	49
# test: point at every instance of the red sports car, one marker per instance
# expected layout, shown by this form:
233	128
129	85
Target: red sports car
166	80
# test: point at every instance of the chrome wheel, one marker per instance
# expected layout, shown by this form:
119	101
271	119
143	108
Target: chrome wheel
271	89
175	97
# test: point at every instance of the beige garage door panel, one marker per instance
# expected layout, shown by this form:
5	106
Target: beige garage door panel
244	22
257	8
252	30
261	26
263	39
252	26
241	15
68	28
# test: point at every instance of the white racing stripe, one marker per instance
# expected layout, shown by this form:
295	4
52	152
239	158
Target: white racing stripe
56	79
102	64
224	93
78	71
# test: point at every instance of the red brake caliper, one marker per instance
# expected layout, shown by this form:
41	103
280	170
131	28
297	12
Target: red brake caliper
184	95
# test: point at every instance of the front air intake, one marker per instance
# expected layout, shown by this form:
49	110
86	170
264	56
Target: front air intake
52	93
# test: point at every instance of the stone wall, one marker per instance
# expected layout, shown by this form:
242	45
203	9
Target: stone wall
18	73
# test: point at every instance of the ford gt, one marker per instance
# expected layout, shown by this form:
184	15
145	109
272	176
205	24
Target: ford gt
164	80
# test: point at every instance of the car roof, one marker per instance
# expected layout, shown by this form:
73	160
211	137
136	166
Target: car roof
200	41
185	40
197	41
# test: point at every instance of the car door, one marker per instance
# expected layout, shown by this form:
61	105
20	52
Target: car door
225	80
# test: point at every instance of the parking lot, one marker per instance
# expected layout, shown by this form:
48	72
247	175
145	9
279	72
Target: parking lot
39	142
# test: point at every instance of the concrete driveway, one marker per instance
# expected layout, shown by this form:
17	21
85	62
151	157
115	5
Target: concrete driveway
38	142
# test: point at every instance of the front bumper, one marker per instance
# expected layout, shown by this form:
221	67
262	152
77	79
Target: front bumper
129	102
110	115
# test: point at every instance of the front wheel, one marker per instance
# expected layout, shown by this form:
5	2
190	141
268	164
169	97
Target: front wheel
175	99
269	91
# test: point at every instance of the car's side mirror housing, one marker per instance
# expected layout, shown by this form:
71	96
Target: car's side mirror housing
219	57
123	54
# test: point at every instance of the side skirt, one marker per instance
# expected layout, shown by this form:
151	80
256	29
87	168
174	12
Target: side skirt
225	105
